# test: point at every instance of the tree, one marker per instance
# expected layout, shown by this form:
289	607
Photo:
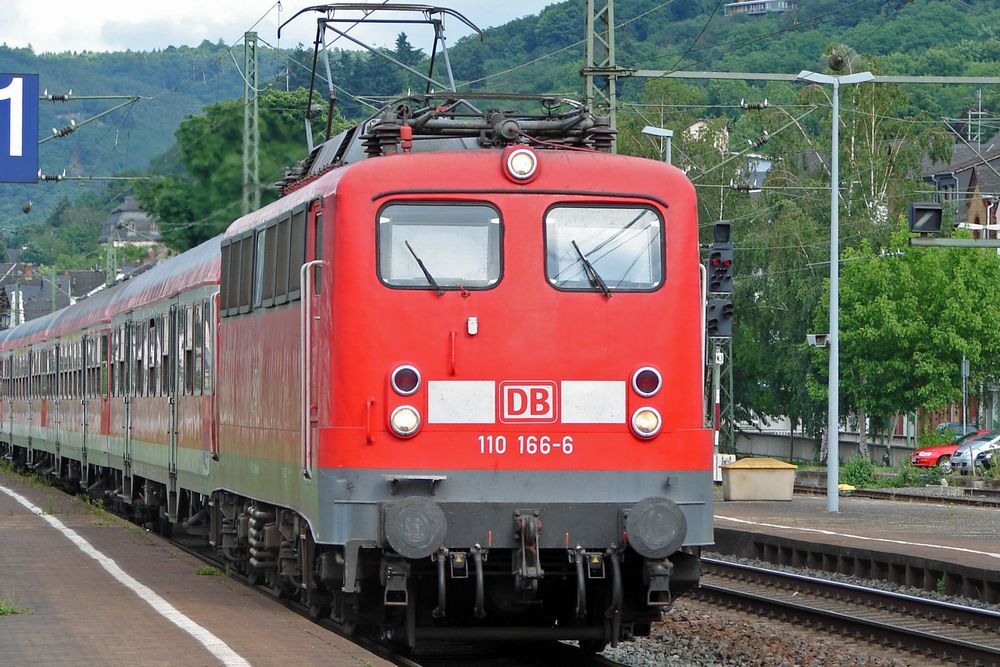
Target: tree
908	318
205	196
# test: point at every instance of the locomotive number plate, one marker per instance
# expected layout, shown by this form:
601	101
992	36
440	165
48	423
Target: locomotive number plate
531	445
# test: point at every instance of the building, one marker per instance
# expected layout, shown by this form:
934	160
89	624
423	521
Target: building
129	224
760	7
970	184
26	294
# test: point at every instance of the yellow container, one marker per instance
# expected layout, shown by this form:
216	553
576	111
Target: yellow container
758	479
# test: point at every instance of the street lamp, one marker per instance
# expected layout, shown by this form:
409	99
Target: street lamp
833	393
663	134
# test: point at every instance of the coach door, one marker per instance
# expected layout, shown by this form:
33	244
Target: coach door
171	371
130	373
315	346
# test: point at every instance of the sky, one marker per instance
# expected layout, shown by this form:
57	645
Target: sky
144	25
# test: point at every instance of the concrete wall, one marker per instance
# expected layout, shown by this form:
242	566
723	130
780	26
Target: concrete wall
781	446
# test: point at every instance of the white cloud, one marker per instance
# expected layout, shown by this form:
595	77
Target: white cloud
142	25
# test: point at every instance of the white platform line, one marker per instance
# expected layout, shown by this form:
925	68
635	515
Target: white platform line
860	537
215	646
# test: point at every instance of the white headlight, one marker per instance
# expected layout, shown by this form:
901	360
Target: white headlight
646	422
521	164
405	420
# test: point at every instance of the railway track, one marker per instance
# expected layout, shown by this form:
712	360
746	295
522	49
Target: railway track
974	497
936	629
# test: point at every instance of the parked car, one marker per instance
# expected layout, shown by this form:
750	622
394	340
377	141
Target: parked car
988	459
956	430
963	457
940	455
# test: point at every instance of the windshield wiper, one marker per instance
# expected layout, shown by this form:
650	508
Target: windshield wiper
592	275
427	274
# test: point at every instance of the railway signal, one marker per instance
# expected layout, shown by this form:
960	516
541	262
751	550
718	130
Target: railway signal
719	318
720	259
925	218
720	268
719	311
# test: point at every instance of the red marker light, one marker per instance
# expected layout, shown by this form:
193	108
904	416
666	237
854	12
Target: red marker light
646	381
405	380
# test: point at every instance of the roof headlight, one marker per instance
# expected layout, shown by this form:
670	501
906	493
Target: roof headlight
646	422
405	421
522	164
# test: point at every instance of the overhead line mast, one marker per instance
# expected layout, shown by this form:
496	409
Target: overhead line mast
251	128
600	73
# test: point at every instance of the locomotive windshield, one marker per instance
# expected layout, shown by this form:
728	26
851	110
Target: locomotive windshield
604	248
439	246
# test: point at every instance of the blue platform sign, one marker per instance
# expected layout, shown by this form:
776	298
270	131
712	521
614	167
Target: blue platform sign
18	128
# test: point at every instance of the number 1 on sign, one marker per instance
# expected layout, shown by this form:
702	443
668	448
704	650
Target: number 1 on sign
14	91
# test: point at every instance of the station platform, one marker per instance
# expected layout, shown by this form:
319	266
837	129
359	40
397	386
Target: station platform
922	544
106	592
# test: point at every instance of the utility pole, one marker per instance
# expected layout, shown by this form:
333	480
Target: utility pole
727	426
600	73
111	259
251	129
52	291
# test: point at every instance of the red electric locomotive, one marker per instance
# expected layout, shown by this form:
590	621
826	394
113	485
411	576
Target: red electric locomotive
449	385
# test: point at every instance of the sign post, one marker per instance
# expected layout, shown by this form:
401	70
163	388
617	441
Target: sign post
18	128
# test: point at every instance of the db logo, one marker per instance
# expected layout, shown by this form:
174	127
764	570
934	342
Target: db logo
528	402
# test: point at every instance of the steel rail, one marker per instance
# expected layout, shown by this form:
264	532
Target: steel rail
973	497
962	633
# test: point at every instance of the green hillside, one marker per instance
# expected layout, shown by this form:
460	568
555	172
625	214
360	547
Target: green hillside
541	53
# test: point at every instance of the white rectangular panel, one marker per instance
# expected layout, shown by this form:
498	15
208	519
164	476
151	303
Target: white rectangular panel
593	402
461	402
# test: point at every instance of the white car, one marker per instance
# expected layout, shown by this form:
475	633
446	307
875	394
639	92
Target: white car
963	457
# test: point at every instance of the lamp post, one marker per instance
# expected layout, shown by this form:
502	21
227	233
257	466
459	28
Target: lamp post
833	393
663	134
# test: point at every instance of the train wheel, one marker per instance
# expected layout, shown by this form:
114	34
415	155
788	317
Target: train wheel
591	646
319	610
163	525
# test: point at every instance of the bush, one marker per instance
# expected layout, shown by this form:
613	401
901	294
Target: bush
858	472
931	437
909	475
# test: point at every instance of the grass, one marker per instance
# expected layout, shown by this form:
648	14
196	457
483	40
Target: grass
95	506
208	571
12	608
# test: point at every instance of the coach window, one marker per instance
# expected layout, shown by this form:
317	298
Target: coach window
208	323
139	352
226	274
166	345
281	260
318	251
152	358
246	273
195	342
450	246
258	270
297	251
604	248
267	256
